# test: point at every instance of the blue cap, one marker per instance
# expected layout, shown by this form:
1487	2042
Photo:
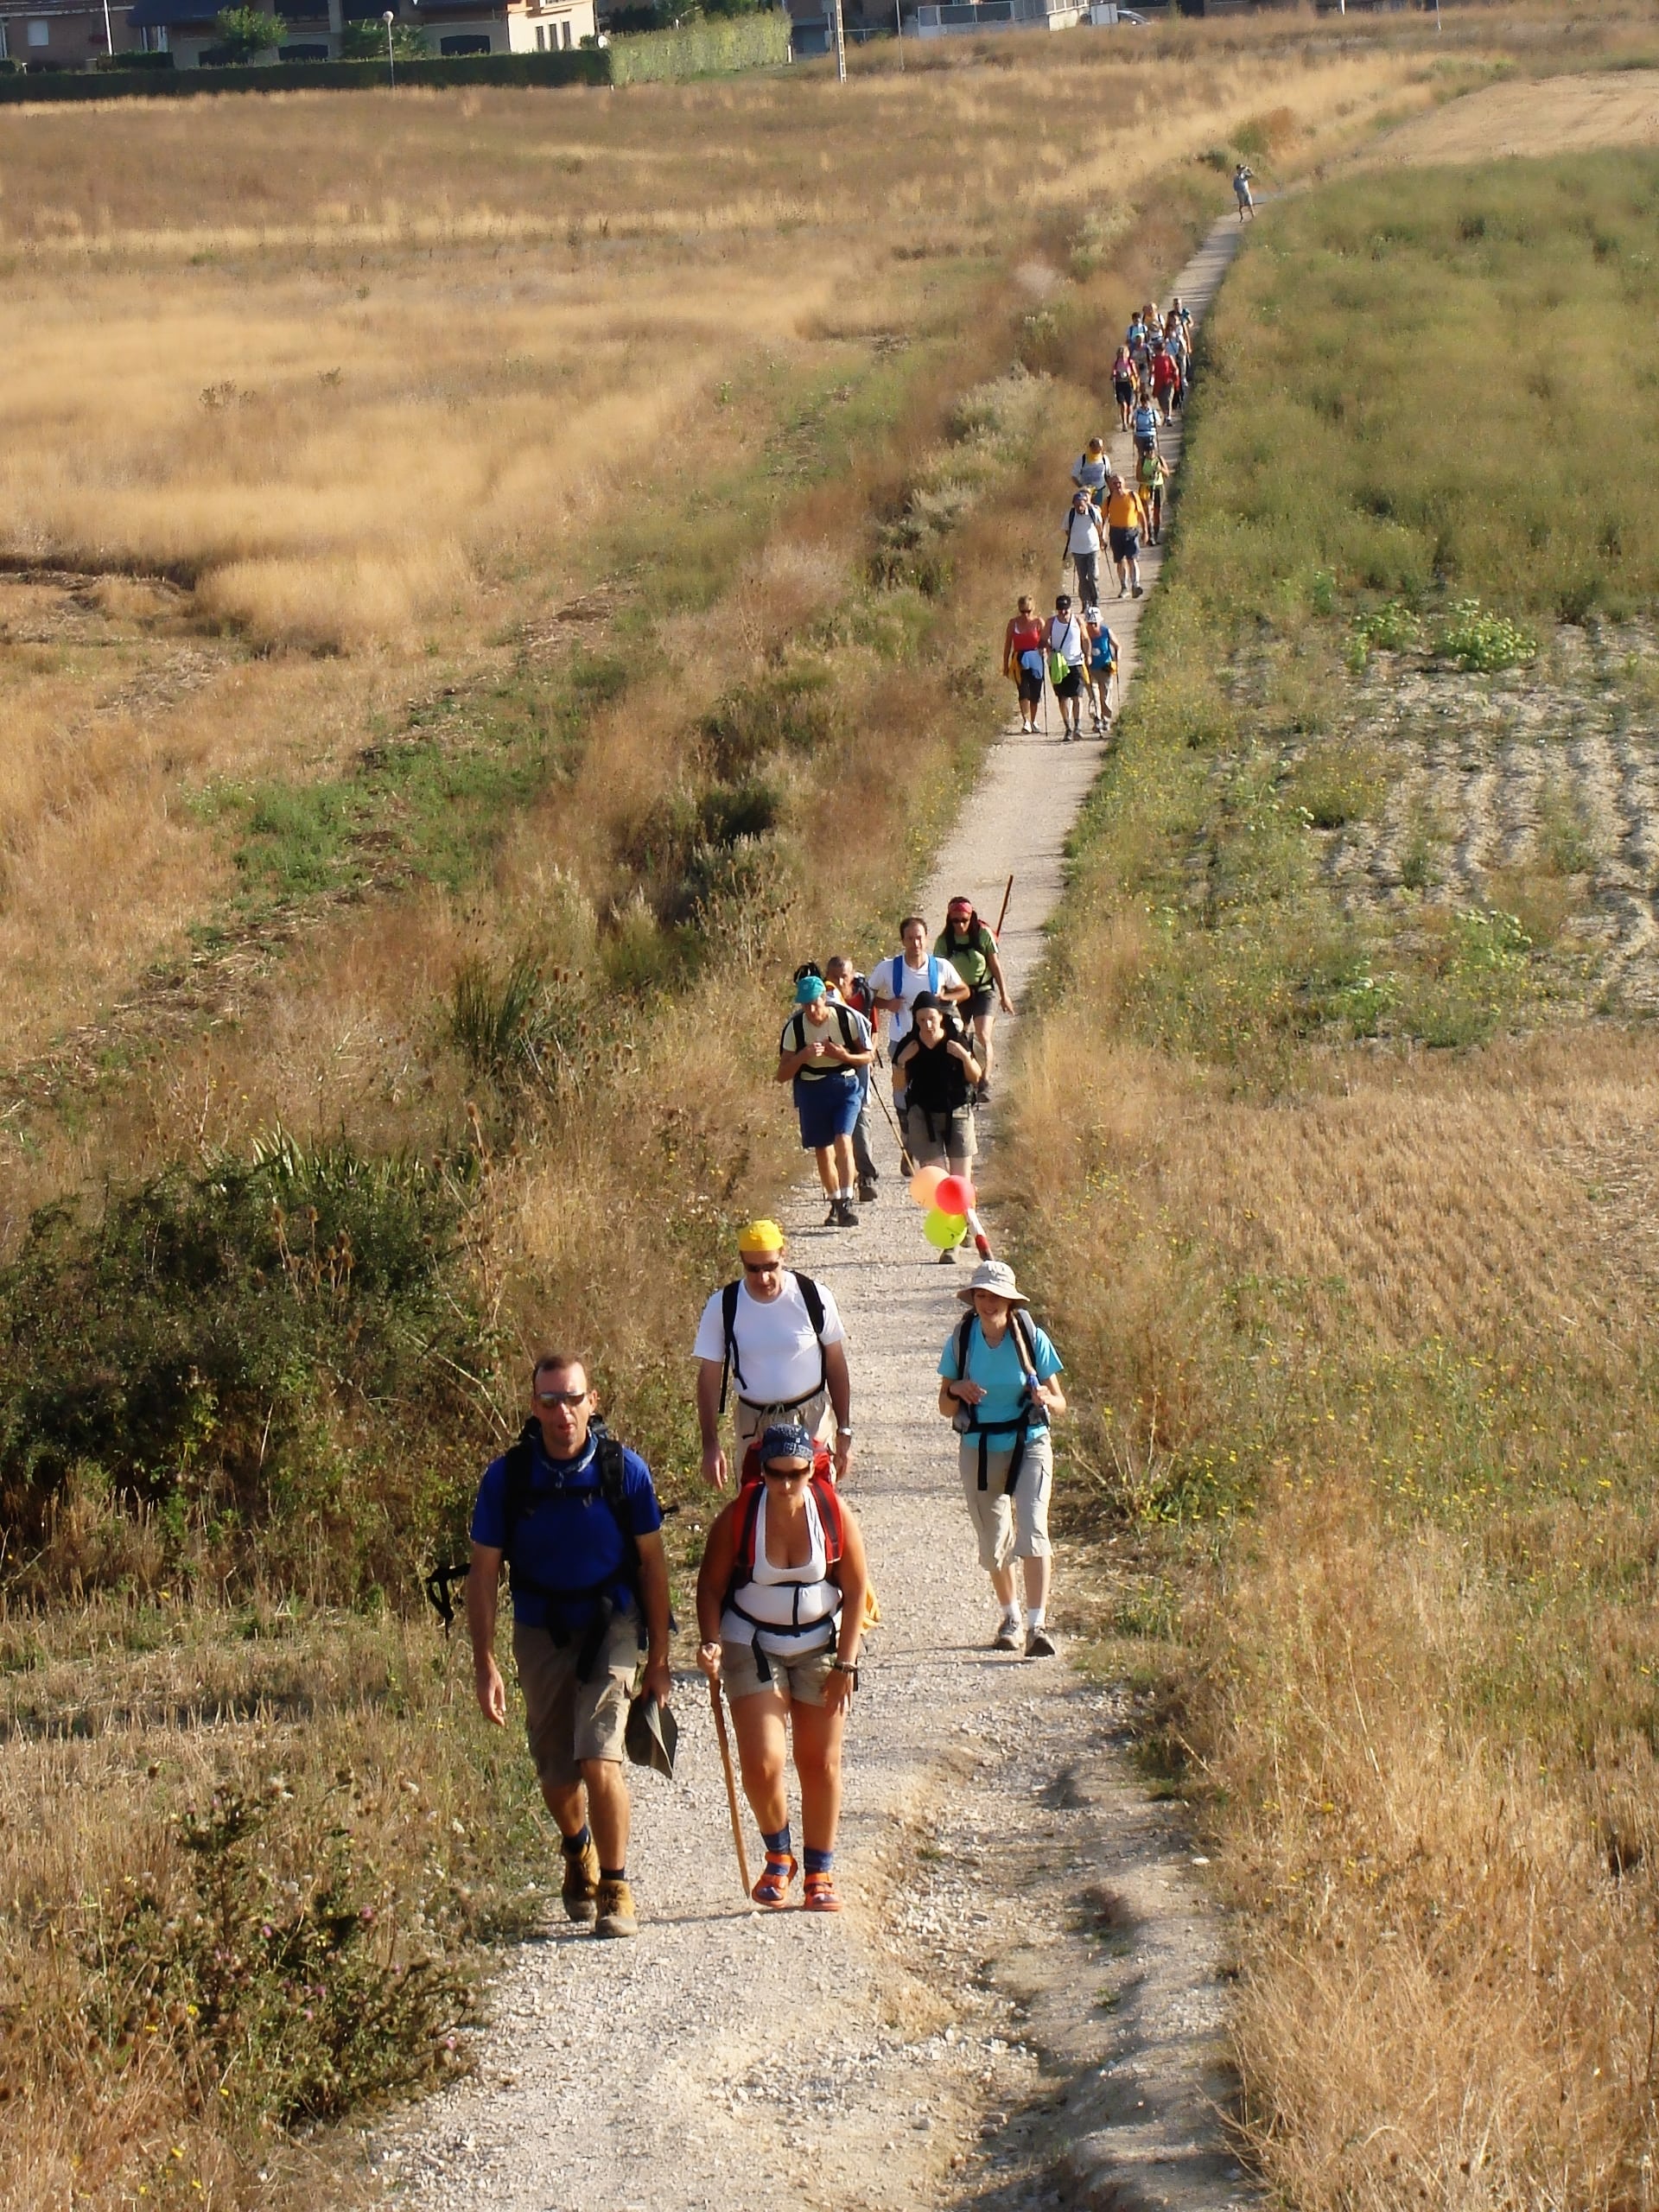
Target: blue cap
809	988
785	1439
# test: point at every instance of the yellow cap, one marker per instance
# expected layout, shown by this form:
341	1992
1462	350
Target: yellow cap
760	1237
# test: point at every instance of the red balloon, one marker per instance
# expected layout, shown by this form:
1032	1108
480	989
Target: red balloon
954	1195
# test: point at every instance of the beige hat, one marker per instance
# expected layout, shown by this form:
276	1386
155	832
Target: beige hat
997	1277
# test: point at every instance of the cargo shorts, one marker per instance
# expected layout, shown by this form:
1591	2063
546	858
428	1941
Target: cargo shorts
1009	1527
566	1720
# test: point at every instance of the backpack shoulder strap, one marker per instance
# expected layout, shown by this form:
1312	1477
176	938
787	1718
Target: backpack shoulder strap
848	1034
1024	1340
932	972
613	1489
898	975
812	1298
731	1364
964	1335
743	1558
829	1513
517	1465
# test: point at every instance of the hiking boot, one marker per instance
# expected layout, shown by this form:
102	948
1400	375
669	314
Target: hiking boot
1007	1637
982	1095
580	1885
1039	1644
868	1194
616	1913
947	1259
848	1218
1138	593
832	1219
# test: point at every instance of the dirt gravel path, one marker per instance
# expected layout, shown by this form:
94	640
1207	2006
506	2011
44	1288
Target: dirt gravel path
1025	1991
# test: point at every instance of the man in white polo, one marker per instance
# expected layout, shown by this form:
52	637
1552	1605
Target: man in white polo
776	1338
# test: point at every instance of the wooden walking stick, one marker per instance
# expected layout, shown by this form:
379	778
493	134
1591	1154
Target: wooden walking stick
731	1784
906	1164
1003	916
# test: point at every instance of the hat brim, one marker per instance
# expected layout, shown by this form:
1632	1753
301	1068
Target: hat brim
1008	1298
652	1736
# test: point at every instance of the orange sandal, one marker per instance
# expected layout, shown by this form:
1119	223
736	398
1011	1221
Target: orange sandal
773	1888
820	1896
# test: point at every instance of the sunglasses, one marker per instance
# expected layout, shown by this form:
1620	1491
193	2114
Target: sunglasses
571	1398
761	1267
786	1474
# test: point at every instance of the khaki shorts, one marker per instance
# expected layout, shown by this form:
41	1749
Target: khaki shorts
569	1721
956	1143
814	1413
1009	1527
801	1680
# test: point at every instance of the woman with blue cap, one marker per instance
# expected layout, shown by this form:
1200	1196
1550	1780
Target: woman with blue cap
824	1046
781	1609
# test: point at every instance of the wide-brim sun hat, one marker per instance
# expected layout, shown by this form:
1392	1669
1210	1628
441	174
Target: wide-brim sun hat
997	1277
651	1735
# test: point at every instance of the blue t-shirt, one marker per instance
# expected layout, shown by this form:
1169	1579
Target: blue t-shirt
567	1540
997	1369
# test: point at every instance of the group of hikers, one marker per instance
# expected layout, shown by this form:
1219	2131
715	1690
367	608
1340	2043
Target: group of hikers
783	1594
783	1588
1073	649
941	1004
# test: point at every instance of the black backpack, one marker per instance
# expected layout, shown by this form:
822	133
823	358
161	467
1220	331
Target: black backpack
851	1041
811	1298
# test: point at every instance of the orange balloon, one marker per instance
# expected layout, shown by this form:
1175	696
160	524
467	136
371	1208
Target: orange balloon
923	1184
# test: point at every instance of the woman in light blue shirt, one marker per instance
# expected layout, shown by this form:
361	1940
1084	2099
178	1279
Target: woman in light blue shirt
998	1389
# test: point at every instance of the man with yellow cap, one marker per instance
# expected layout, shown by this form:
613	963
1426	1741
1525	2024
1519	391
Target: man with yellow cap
778	1336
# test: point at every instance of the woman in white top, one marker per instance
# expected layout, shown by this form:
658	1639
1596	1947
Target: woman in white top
781	1609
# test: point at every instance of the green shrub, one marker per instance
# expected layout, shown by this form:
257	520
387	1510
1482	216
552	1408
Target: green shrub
246	32
1481	641
366	41
287	1338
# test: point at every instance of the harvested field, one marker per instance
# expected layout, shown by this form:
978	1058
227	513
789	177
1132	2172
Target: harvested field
1562	115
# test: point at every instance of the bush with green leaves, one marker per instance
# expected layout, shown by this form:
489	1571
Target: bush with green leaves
287	1338
246	32
366	41
1481	642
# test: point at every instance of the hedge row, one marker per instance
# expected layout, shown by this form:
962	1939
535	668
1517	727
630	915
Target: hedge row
700	50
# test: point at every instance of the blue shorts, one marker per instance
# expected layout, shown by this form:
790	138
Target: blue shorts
828	1106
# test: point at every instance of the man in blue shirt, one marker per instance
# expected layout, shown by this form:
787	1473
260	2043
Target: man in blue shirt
575	1517
999	1392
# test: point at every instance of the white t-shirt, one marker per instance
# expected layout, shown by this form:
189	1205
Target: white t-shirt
912	981
1084	537
776	1346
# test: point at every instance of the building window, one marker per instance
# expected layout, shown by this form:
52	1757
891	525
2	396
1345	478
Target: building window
40	33
541	38
564	32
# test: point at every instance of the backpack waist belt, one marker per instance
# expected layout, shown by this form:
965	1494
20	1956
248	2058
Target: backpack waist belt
592	1638
829	1623
781	1405
1018	1429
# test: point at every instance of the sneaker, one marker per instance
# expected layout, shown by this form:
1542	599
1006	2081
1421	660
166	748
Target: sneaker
947	1259
580	1887
615	1908
1007	1637
1137	591
819	1894
868	1194
1039	1644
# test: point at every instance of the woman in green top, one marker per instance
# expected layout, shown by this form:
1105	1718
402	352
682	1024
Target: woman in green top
971	950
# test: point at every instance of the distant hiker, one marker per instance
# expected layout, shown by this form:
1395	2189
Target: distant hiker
823	1046
778	1336
1125	520
854	990
1138	339
781	1609
1125	384
1242	180
1151	476
941	1075
1166	379
1144	426
1083	544
998	1392
1065	666
970	947
1089	475
574	1515
1100	666
900	980
1022	659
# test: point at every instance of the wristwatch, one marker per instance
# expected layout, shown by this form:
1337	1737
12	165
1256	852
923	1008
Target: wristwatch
843	1431
845	1667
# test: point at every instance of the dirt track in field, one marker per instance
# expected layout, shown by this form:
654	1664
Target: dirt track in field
1558	115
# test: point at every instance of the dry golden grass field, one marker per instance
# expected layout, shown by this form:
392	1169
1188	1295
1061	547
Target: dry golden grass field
470	565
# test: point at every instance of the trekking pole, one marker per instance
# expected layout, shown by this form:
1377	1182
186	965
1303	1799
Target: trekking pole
906	1164
1003	916
731	1784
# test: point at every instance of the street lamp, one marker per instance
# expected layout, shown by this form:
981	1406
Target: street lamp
392	67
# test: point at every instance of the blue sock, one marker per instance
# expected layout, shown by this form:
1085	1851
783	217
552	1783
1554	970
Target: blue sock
819	1862
574	1846
779	1845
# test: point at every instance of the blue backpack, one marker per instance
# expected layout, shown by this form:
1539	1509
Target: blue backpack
898	975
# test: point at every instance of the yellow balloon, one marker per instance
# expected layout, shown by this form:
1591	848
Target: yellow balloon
944	1231
923	1183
